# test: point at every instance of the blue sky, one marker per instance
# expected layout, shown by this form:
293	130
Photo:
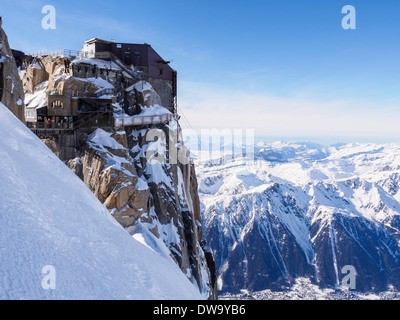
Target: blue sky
286	68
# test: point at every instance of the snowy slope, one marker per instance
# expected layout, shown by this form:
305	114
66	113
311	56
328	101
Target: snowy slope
303	210
49	217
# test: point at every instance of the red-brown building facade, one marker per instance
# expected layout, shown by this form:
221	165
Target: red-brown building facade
143	59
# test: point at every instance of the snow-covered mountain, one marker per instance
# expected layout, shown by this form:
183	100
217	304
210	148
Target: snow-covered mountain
57	241
304	211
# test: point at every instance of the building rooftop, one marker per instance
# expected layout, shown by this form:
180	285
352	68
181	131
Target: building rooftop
97	40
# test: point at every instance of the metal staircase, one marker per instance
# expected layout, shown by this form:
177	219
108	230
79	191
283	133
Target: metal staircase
92	116
123	66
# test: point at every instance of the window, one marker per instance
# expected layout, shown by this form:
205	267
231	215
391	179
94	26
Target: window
57	104
119	46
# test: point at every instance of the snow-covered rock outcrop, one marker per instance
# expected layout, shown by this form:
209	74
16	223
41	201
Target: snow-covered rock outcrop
48	217
160	199
173	214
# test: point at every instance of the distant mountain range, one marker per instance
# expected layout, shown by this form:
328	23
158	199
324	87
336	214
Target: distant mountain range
304	211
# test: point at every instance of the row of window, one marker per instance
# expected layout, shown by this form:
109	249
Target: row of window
57	104
137	54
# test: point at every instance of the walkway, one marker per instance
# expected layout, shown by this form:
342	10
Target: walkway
142	120
41	128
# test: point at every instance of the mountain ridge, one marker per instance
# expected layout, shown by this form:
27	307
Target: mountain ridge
307	215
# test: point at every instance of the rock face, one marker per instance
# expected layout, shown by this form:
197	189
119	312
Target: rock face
174	214
159	197
11	90
304	212
106	168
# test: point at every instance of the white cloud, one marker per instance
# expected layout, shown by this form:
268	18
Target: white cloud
218	107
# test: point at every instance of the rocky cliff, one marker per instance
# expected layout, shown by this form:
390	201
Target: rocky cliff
143	195
11	91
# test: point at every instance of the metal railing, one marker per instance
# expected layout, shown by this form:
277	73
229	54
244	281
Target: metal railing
105	91
42	128
64	127
142	120
55	53
53	125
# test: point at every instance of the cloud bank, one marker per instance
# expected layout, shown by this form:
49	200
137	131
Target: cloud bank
210	106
